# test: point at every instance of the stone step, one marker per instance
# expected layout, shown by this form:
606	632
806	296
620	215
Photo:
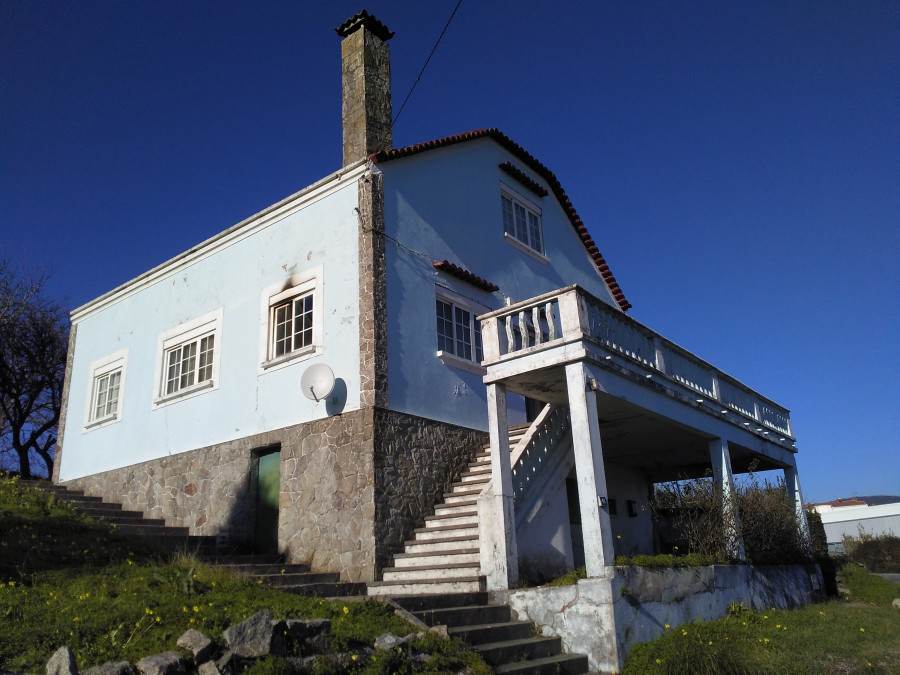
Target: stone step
427	586
237	560
449	519
78	499
573	664
429	533
92	512
153	529
299	578
433	557
493	632
431	572
117	519
341	589
441	544
413	603
279	567
509	651
464	495
456	507
476	476
467	615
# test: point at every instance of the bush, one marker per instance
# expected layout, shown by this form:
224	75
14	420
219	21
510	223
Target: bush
692	513
877	553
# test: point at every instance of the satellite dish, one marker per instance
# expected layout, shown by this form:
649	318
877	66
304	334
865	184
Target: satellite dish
317	382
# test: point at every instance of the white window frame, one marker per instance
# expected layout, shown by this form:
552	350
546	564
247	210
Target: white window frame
100	370
305	284
462	303
532	210
189	333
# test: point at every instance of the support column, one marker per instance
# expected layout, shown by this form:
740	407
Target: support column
724	479
590	472
792	483
496	512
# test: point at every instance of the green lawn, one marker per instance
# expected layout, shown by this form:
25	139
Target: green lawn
67	581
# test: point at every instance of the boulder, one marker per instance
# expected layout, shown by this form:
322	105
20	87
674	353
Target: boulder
253	638
62	662
197	644
109	668
167	663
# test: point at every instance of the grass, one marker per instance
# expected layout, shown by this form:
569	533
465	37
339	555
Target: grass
67	581
859	636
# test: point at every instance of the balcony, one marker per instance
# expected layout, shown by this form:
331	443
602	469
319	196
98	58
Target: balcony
659	404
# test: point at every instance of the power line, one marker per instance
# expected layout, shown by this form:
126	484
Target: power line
433	49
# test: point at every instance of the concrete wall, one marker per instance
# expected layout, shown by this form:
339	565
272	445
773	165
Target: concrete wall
246	400
605	617
632	525
445	204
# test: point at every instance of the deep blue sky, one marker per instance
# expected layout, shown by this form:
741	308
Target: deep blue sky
737	163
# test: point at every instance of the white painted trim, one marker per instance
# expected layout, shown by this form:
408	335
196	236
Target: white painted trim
108	364
247	227
208	324
474	308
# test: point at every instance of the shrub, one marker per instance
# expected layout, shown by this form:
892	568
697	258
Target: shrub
877	553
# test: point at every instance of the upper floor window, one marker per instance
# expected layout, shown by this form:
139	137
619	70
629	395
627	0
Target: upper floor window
458	332
291	324
188	358
522	222
107	384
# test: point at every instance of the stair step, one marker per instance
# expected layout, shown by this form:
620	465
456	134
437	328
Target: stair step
278	567
463	505
493	632
429	533
468	615
431	572
341	589
153	529
477	476
440	544
573	664
448	519
453	498
427	586
431	557
299	579
507	651
92	512
415	603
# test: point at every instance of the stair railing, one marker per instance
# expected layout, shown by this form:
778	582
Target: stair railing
533	454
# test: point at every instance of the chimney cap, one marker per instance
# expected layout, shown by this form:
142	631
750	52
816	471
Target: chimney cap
364	20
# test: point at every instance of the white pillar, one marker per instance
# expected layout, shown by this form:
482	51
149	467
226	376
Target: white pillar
496	512
590	473
724	480
792	483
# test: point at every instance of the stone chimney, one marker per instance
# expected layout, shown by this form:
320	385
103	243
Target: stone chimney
366	86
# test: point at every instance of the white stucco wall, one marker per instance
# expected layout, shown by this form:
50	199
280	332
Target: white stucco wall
313	231
445	204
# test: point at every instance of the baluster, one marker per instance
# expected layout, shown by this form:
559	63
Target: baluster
510	336
536	320
551	320
523	329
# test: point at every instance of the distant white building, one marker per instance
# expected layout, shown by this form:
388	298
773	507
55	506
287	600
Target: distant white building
858	516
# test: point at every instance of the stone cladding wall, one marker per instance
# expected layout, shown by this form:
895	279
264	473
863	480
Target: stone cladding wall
327	491
416	460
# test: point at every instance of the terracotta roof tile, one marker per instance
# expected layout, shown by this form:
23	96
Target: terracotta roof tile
533	164
465	275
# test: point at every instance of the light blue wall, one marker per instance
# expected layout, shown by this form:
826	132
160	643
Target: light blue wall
445	204
247	401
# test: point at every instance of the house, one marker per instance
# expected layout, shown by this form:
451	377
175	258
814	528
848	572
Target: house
452	289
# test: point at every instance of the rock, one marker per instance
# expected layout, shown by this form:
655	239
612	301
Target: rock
208	668
299	629
440	630
197	644
109	668
896	603
167	663
62	662
296	636
253	638
388	641
225	663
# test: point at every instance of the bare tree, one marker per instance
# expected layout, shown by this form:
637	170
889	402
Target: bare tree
33	340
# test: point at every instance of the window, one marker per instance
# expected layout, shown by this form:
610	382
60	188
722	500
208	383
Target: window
107	384
291	321
458	331
187	360
522	223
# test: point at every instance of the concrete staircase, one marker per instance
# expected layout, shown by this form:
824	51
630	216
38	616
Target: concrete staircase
270	569
444	556
507	646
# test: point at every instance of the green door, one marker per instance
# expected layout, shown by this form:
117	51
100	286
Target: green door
268	489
